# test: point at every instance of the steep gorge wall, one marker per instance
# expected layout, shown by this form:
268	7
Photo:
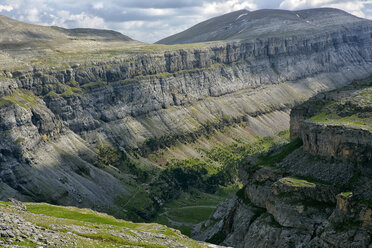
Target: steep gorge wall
149	83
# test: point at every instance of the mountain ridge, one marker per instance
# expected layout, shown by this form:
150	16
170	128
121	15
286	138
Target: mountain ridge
244	24
29	32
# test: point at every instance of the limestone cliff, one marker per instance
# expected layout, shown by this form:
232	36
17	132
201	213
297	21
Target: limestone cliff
313	192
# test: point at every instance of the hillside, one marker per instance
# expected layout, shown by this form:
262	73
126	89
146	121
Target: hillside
44	225
16	34
244	24
135	129
314	192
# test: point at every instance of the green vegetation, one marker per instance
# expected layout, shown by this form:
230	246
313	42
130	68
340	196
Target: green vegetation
365	201
234	154
217	238
87	228
352	111
138	207
5	204
346	194
20	140
333	118
191	207
346	225
76	214
312	179
216	169
297	182
367	95
23	98
93	85
109	238
108	155
240	195
71	91
25	243
195	198
64	90
191	215
272	158
284	134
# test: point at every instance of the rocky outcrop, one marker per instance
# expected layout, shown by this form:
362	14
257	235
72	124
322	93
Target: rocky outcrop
313	192
342	143
336	125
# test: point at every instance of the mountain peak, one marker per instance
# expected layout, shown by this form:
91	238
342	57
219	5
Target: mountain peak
244	24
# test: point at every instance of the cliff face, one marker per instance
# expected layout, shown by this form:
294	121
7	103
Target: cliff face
61	105
96	95
336	125
313	192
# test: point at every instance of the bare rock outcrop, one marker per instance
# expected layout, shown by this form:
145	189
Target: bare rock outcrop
313	192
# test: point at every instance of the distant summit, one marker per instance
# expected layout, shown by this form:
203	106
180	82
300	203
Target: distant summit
16	34
244	24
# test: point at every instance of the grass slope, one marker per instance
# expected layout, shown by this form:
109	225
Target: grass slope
74	227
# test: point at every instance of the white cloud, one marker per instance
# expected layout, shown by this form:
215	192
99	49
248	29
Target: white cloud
158	12
32	15
149	31
353	7
98	5
66	19
216	8
6	8
297	4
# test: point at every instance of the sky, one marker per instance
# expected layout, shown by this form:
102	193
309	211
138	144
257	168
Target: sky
152	20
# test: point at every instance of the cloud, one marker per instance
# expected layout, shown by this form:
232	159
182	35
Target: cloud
6	8
64	18
32	15
98	5
216	8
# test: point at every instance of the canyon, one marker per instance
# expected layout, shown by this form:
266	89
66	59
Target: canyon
93	119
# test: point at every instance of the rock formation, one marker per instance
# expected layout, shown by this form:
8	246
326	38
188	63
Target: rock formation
313	192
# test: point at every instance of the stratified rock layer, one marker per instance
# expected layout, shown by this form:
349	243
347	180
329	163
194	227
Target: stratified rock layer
315	191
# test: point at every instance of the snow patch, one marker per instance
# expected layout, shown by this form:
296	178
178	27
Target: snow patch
241	16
